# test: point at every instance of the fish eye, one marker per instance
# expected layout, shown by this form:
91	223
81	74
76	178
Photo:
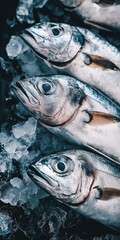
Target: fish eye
61	165
57	31
46	87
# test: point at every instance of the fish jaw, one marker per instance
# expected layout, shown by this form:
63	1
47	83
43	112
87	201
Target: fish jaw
61	48
42	179
28	95
35	42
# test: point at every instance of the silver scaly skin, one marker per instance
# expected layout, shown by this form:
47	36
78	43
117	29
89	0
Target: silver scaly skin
73	110
103	14
79	53
84	181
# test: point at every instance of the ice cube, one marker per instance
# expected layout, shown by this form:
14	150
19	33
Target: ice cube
24	11
16	182
15	47
5	224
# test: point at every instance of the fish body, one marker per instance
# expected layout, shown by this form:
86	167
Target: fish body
73	110
79	53
101	13
84	181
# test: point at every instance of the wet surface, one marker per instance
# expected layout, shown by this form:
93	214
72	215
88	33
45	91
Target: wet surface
26	211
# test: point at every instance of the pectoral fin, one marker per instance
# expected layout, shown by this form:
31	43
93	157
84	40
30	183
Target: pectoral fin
107	193
106	3
100	62
101	118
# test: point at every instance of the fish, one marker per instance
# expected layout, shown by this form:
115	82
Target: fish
103	14
77	52
84	181
74	111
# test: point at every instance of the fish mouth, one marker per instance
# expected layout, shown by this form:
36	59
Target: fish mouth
42	179
30	35
25	92
30	39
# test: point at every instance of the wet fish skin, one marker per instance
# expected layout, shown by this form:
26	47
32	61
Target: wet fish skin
102	14
83	181
39	37
73	110
79	53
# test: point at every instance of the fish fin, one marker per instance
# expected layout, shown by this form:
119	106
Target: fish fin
100	62
93	24
107	193
103	155
101	118
106	3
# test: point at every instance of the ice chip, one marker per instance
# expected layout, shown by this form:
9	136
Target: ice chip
15	47
24	11
11	146
16	182
3	167
5	224
28	128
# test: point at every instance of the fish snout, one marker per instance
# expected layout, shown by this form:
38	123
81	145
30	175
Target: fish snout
33	173
26	92
32	170
33	33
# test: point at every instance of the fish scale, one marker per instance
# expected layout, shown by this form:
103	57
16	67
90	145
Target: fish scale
103	14
87	183
75	111
79	53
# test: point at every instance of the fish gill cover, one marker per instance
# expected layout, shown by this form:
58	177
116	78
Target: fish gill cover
26	211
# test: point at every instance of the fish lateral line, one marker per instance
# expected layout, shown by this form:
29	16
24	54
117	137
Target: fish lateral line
99	26
103	155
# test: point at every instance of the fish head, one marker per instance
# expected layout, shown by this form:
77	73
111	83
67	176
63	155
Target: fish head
56	42
64	176
53	100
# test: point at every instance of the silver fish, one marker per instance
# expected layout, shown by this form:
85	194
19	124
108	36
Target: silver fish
100	13
73	110
82	180
78	52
